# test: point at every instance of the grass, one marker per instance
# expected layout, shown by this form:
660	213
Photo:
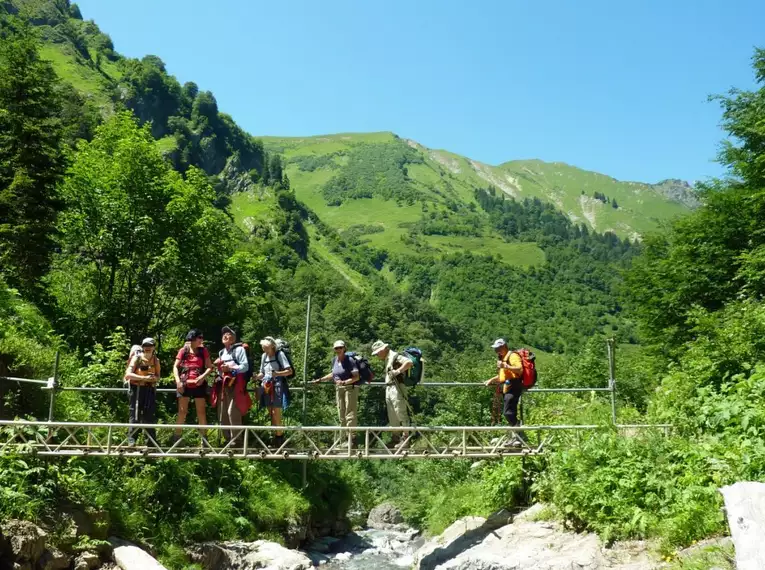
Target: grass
447	176
83	78
521	254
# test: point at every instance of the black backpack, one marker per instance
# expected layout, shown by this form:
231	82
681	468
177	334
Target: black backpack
366	374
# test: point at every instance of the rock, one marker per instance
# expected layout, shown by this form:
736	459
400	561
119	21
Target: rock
472	544
745	507
324	545
90	522
461	535
22	566
130	557
385	516
54	559
26	540
260	554
87	561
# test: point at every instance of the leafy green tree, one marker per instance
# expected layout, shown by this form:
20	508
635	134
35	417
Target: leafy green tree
712	256
31	157
141	247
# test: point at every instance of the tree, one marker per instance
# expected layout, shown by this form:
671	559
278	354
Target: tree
141	247
31	158
712	256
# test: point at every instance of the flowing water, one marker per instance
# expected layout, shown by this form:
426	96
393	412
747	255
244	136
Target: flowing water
371	550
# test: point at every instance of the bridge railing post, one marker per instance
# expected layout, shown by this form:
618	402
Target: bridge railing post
611	347
305	378
53	386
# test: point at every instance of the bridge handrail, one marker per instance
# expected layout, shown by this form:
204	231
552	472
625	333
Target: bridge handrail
296	428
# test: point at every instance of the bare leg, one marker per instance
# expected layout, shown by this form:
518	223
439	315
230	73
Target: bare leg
276	418
199	403
183	410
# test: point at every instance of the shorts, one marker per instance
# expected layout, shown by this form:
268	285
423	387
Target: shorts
193	392
276	398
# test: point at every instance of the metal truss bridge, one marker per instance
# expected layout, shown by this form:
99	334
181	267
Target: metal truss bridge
73	439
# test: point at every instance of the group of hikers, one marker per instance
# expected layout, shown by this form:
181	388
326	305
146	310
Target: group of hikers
223	383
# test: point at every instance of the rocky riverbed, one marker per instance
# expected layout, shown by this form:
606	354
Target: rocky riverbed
499	542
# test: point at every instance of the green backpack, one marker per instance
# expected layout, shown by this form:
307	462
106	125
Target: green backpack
414	374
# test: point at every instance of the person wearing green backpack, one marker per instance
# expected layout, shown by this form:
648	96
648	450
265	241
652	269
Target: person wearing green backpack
396	391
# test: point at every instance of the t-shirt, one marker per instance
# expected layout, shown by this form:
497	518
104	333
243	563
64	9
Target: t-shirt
143	367
344	369
393	362
193	363
514	360
237	358
275	363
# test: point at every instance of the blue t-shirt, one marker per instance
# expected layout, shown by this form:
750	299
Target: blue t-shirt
343	369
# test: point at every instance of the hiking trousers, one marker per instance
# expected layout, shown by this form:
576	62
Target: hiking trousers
510	407
396	402
143	408
229	413
347	405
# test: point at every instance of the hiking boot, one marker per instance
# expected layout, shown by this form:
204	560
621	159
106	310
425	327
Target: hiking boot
277	441
131	442
203	442
173	440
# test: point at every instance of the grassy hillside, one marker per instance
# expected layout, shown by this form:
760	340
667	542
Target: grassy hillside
436	178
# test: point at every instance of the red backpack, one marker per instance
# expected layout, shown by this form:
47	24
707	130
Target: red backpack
528	359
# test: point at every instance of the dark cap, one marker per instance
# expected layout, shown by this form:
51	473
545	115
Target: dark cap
227	330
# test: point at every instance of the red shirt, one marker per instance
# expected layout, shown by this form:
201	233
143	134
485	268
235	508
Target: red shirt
193	363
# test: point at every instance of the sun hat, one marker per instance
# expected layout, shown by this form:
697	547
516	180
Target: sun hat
378	347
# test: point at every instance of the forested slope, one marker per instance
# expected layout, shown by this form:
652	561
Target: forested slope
146	211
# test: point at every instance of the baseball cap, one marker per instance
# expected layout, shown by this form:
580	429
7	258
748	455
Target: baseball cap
339	344
148	341
499	342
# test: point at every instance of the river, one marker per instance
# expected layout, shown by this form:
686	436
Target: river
371	550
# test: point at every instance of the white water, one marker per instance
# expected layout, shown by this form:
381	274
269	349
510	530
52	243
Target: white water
371	550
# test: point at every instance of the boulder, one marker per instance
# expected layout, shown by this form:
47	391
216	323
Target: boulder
26	540
87	561
386	516
474	543
54	559
745	508
129	557
260	554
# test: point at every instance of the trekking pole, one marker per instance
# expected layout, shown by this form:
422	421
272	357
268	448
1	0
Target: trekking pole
137	400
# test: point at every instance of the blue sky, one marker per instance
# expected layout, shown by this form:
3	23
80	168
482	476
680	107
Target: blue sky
617	86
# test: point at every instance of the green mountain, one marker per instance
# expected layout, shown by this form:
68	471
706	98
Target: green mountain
381	180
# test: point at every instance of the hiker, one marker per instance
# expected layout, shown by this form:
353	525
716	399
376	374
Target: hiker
509	376
142	374
191	368
230	389
345	374
396	401
275	368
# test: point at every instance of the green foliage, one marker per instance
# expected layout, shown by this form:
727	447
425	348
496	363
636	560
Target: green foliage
713	256
141	247
31	158
634	487
374	170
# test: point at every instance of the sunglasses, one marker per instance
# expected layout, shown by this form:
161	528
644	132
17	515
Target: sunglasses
339	348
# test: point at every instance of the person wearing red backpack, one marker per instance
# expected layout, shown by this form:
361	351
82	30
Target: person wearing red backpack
510	377
230	388
191	368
